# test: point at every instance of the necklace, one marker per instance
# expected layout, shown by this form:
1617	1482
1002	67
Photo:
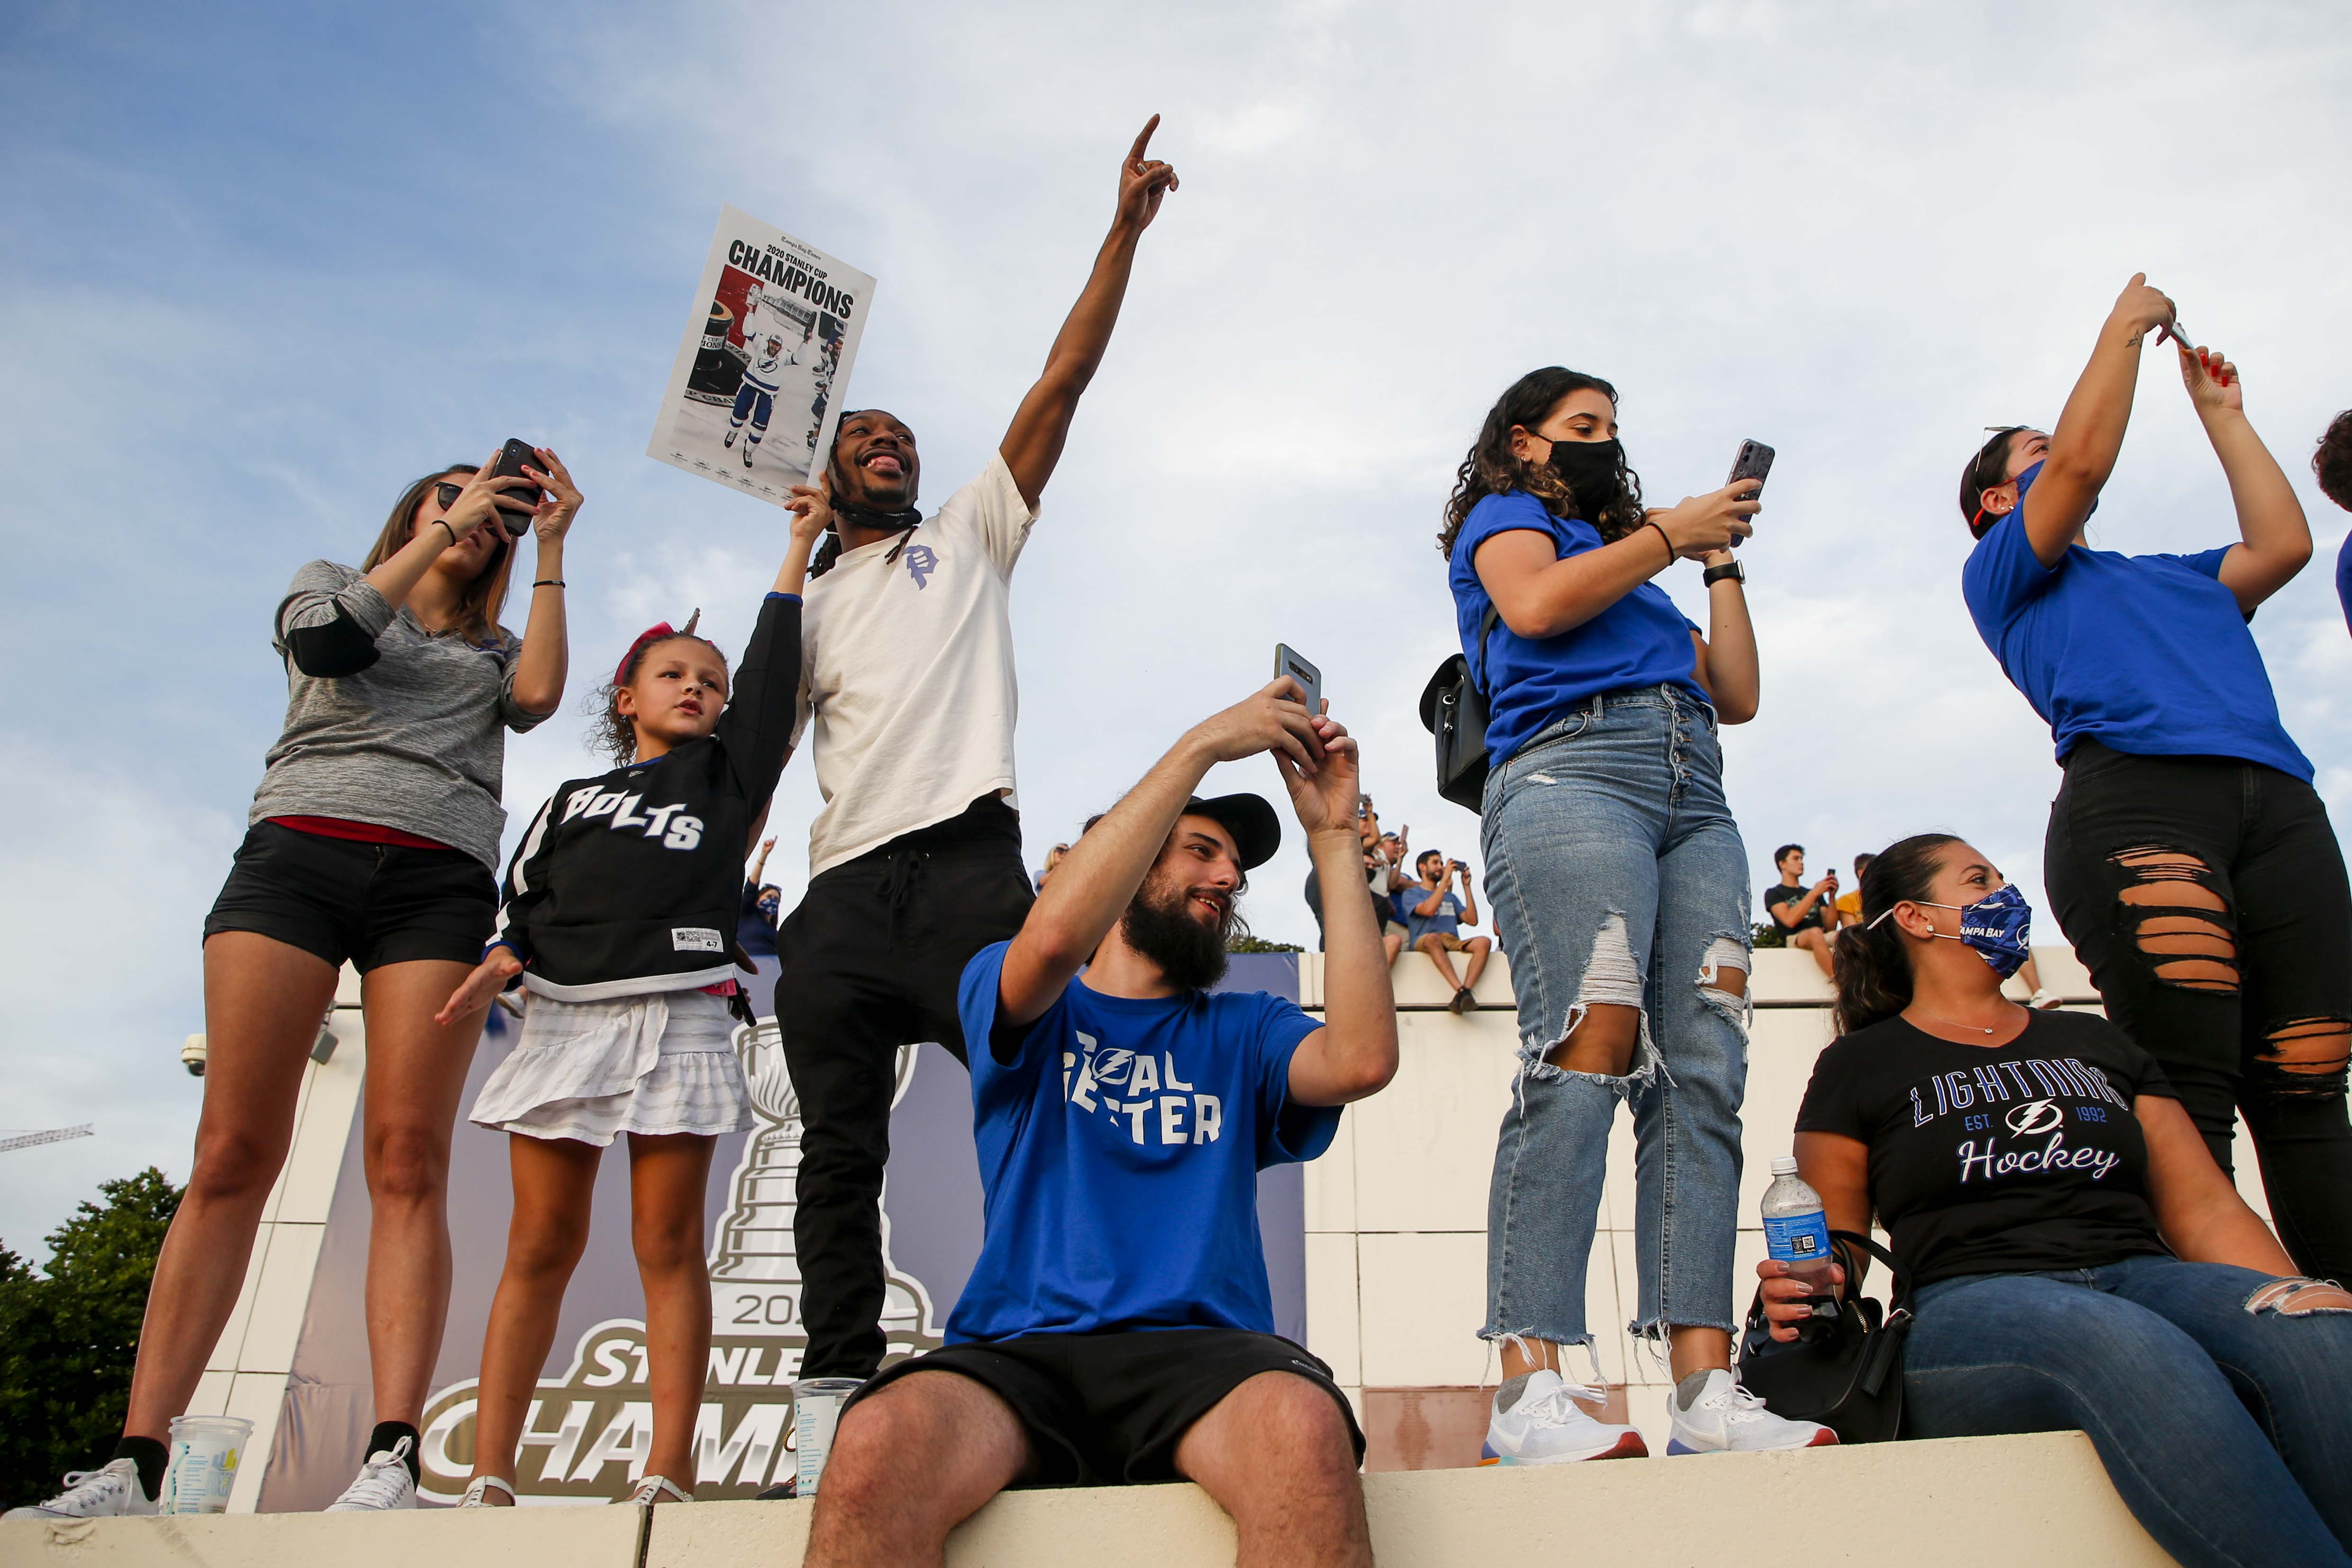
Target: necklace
1973	1028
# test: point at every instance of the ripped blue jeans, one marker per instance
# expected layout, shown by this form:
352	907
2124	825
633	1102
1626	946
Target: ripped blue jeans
1616	875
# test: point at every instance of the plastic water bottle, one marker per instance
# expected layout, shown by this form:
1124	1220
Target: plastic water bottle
1795	1230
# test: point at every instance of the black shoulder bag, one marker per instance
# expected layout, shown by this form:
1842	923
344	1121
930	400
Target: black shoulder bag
1454	710
1846	1374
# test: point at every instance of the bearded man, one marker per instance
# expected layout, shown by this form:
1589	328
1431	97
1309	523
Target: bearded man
908	696
1118	1326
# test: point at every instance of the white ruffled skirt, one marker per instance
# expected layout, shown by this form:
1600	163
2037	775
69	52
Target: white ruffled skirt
656	1064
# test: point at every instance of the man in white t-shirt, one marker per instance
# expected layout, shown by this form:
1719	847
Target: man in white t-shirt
907	686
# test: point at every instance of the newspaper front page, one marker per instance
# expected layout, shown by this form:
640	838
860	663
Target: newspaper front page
756	388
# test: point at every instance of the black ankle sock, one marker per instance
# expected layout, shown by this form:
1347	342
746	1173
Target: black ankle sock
149	1455
387	1435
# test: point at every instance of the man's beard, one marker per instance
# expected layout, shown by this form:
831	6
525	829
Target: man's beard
1190	954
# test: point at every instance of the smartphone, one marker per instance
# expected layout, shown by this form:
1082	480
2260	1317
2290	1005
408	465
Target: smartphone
516	516
1310	680
1754	462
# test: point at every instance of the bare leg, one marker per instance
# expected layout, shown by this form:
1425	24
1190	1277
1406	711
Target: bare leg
1392	945
1274	1454
669	1181
1480	947
1435	948
415	1073
263	1000
910	1465
1818	945
554	1185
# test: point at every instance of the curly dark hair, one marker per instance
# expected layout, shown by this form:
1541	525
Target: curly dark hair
1874	973
2332	462
1987	469
613	731
1492	468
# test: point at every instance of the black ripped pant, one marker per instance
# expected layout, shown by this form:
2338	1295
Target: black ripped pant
870	962
2208	898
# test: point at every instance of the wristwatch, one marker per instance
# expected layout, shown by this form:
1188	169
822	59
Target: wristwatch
1730	571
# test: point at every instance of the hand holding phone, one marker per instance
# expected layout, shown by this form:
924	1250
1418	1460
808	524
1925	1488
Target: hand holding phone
1288	662
516	502
1754	462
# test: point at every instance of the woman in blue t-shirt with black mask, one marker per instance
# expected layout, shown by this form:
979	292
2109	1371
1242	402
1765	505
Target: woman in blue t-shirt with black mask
1620	887
2188	859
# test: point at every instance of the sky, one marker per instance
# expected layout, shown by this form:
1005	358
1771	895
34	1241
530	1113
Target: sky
263	265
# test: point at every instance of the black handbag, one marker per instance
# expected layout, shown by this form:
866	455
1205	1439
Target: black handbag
1454	710
1846	1374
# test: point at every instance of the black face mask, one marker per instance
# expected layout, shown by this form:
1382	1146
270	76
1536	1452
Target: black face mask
1590	470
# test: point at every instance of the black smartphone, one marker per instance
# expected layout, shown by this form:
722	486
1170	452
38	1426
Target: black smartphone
516	517
1286	662
1754	462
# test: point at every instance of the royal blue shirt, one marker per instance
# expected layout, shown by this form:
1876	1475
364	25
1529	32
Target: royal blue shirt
1118	1158
1640	641
2343	578
2147	655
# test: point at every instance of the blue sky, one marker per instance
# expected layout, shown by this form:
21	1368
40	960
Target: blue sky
264	264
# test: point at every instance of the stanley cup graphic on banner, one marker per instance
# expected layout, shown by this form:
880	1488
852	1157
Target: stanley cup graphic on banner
596	1413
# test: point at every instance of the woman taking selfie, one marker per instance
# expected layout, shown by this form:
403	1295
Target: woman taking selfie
373	840
2188	859
1620	887
2077	1260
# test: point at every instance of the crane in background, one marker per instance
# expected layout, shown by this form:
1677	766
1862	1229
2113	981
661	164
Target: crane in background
52	1135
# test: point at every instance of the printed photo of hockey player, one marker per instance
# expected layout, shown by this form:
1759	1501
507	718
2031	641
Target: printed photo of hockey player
751	398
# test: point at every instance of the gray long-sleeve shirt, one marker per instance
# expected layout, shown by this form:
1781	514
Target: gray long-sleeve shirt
414	741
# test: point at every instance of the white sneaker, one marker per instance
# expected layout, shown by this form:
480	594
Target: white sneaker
1726	1420
110	1491
1545	1427
384	1482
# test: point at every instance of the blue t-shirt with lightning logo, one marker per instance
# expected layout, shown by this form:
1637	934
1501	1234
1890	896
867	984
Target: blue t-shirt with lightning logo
1119	1149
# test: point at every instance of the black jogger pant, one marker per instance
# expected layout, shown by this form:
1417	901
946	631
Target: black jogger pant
870	962
2208	897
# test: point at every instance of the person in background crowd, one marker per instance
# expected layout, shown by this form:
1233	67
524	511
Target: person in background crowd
1436	915
619	905
1087	1348
1384	869
2192	863
1620	887
372	841
2077	1258
1802	912
1847	909
755	922
909	695
1053	858
2332	466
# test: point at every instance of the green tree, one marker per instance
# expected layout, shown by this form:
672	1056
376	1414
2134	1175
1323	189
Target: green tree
69	1334
1242	942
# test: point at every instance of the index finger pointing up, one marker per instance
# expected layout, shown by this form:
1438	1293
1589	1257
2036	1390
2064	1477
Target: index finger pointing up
1142	140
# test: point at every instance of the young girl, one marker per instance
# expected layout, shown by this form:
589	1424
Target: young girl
1620	887
2077	1258
619	917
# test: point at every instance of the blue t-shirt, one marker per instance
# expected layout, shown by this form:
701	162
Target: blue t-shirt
1640	641
1446	922
2147	655
1118	1158
2343	578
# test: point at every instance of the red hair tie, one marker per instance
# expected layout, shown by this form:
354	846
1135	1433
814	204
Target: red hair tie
658	632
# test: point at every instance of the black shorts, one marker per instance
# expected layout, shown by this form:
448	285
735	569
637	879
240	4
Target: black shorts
370	904
1108	1407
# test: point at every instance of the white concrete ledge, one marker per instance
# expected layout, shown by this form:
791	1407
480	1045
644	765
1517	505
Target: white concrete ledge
2015	1501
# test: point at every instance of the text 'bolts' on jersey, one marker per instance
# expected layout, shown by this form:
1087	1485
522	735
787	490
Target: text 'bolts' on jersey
668	823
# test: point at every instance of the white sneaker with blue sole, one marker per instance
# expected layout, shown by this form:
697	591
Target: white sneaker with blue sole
1722	1417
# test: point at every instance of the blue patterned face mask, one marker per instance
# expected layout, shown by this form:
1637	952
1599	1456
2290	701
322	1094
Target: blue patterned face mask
1996	925
2024	482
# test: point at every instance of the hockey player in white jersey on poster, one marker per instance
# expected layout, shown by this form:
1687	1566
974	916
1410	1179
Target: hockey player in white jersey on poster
763	373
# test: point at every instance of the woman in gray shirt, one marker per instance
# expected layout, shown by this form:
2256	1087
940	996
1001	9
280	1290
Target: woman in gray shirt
373	840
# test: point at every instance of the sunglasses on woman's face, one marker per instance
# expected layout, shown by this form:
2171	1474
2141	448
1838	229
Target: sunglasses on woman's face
447	494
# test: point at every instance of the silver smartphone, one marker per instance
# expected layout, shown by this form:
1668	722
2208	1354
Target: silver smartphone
1288	662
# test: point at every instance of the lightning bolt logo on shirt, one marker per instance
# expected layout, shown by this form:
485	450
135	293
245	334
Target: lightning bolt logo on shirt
1181	1118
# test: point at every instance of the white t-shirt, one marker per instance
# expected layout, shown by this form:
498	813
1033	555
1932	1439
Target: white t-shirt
907	673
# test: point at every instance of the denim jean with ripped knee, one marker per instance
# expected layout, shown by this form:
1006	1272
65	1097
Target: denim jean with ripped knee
1617	876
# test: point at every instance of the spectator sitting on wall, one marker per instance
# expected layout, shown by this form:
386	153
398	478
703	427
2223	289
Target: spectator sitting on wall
755	924
1393	894
1087	1348
1053	858
1799	910
1436	920
1847	909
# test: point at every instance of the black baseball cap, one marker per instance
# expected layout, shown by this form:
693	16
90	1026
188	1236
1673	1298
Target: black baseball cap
1257	830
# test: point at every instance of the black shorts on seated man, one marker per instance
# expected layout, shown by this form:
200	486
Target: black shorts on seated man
1118	1325
915	861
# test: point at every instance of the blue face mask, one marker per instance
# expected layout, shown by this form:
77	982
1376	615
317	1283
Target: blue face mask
1996	925
2025	482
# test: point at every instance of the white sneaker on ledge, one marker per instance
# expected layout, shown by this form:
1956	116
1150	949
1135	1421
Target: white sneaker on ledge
1544	1426
384	1484
1725	1419
110	1491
